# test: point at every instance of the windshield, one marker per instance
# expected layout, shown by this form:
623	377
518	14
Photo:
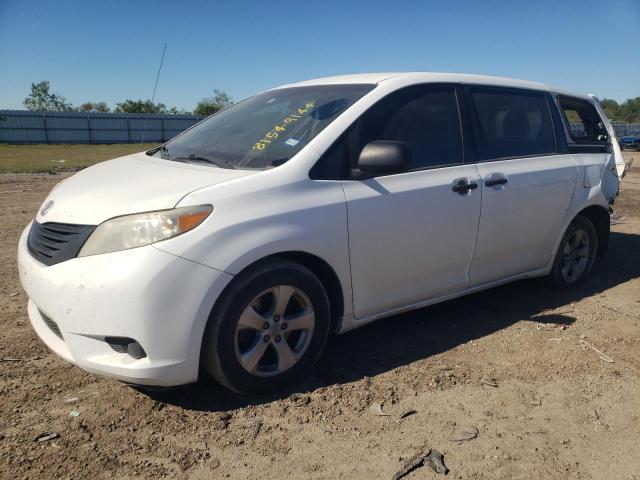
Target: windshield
265	130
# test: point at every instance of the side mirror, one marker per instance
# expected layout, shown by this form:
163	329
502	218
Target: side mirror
383	157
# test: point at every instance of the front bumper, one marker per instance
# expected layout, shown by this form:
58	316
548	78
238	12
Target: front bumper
158	299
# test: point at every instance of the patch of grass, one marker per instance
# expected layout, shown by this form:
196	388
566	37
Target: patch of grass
42	158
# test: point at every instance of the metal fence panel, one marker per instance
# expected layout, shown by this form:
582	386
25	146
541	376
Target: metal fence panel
23	126
623	128
23	136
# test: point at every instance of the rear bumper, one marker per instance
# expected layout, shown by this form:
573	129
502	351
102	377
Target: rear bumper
158	299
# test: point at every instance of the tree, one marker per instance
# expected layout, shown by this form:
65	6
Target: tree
175	111
211	105
610	107
101	107
630	110
85	107
42	100
140	106
627	111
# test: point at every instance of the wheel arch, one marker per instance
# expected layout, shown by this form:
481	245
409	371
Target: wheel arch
320	268
599	216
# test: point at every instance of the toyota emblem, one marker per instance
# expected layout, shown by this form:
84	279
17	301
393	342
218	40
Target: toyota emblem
47	207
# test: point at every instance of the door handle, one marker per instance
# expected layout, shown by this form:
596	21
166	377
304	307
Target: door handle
492	182
463	185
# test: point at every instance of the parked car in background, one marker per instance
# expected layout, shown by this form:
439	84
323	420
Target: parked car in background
630	142
238	246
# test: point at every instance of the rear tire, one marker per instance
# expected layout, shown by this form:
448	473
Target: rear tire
576	254
267	329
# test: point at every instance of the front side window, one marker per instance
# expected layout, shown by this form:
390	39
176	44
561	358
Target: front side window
585	125
511	123
424	117
265	130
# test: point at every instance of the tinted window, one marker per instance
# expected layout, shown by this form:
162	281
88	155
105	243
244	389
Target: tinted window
425	118
585	125
265	130
333	165
512	124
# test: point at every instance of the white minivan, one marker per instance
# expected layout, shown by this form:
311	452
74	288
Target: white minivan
320	206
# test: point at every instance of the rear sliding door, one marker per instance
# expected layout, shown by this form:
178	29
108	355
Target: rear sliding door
526	185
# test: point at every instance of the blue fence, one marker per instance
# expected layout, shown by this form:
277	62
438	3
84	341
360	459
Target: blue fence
23	126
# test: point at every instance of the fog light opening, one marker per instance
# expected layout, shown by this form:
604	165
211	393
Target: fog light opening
126	345
135	350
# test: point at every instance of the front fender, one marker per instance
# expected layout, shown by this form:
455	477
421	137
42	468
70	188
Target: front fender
307	216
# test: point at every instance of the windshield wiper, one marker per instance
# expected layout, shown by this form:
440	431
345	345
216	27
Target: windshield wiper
164	151
199	158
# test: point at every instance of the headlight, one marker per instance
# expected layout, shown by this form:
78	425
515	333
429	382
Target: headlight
132	231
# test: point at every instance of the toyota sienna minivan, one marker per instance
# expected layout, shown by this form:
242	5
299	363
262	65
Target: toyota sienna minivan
320	206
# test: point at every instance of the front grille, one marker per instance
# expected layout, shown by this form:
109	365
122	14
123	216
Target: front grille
53	243
53	326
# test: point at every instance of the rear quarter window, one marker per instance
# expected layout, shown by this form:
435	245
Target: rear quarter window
583	121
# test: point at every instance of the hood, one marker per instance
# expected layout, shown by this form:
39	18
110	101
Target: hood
131	184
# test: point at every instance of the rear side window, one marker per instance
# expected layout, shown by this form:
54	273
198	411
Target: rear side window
511	123
425	118
585	125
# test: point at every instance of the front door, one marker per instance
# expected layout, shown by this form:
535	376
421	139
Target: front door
412	235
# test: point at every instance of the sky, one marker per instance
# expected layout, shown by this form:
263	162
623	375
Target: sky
109	51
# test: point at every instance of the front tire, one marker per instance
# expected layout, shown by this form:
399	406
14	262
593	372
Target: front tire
576	254
267	329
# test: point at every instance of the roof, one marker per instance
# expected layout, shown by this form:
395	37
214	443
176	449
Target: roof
420	77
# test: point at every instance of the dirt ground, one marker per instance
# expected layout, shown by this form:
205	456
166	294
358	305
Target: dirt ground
508	362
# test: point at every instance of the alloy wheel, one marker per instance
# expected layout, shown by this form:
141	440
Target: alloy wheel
274	330
575	256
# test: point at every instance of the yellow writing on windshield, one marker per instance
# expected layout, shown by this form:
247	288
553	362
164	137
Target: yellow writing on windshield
281	127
